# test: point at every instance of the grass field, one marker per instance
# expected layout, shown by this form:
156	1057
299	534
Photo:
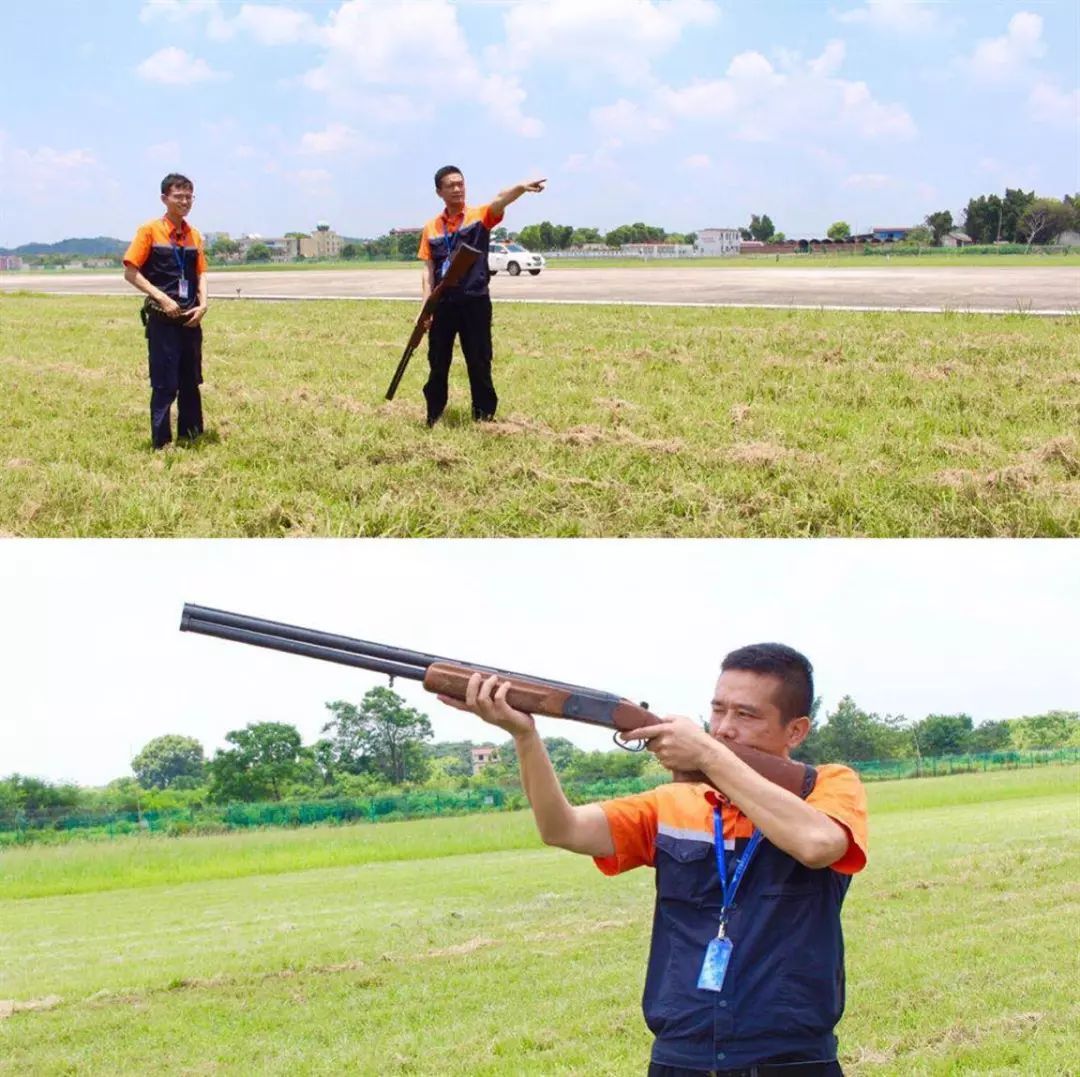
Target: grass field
614	421
462	946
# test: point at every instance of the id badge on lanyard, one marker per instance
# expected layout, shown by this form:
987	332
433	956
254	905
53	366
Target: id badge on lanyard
718	953
183	286
451	239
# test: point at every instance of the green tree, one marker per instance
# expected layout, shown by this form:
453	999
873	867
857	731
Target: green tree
1054	729
351	251
382	734
606	766
580	236
456	757
919	236
1013	207
839	231
257	252
989	737
408	245
850	734
761	228
1073	202
223	248
530	237
1043	220
943	734
982	218
265	758
940	224
169	759
22	793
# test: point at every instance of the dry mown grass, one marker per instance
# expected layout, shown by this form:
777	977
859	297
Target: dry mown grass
613	421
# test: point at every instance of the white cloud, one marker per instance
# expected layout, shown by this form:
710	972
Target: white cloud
375	63
614	38
1060	108
336	138
312	182
626	122
1006	58
176	11
828	63
756	102
266	24
867	181
697	160
175	67
46	174
163	152
894	16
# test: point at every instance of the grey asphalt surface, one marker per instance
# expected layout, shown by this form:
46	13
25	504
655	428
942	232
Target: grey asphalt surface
1034	289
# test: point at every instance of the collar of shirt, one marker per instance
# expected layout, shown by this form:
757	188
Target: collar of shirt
175	232
452	223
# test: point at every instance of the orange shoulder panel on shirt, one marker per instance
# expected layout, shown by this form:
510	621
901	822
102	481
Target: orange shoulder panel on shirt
635	820
840	795
139	248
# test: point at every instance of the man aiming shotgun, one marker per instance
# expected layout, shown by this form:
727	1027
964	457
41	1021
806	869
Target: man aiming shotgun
746	966
753	851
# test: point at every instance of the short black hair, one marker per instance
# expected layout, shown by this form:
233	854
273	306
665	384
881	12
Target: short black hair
787	665
174	179
444	172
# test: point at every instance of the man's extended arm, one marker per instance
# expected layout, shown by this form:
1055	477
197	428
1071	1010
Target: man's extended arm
582	829
790	823
512	194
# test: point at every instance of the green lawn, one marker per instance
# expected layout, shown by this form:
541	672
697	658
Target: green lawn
614	421
463	946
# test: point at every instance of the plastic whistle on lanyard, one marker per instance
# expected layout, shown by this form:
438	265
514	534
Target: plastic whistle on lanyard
718	953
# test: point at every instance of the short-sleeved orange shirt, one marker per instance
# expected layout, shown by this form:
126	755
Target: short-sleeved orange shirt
161	253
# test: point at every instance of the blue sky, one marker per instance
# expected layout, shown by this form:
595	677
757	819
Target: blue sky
683	113
96	665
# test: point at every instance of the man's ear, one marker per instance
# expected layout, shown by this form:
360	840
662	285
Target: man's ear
798	729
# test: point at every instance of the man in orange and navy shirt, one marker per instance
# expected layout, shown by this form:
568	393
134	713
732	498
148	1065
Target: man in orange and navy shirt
463	311
746	965
166	262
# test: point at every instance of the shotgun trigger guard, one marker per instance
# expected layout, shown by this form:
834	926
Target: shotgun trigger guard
638	747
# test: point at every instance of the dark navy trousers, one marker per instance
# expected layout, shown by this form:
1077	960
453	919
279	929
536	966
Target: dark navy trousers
175	374
470	321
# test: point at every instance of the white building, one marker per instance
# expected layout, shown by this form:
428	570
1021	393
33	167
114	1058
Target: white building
718	242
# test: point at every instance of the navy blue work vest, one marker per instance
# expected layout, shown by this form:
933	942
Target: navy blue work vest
784	990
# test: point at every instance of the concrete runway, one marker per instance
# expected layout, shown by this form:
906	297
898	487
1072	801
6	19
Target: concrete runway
1008	290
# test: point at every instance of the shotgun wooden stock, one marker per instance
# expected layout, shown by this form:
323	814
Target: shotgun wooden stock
460	264
619	715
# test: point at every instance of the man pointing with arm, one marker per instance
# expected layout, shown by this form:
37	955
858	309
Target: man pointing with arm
746	964
465	310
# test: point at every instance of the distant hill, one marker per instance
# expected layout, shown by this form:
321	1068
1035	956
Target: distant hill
97	246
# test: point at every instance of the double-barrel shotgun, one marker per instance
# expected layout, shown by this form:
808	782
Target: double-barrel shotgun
460	264
450	677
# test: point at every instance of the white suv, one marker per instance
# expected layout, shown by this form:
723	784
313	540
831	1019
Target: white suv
513	257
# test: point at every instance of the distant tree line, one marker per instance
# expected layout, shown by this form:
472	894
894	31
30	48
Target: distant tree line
381	745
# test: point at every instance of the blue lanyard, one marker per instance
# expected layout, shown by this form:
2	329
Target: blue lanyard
731	887
451	238
178	254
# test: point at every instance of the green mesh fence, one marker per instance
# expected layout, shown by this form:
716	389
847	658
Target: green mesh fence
27	825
